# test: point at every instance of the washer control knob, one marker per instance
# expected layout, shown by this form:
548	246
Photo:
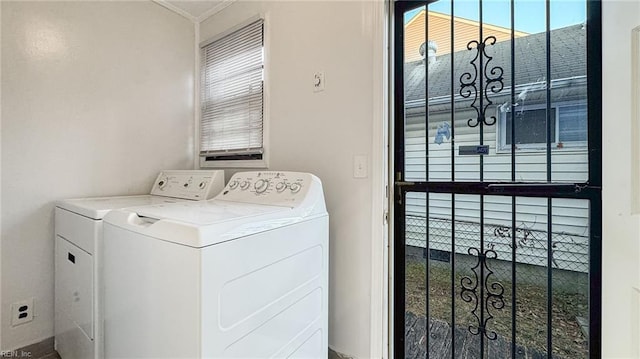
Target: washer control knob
244	185
202	185
261	185
234	184
281	186
295	187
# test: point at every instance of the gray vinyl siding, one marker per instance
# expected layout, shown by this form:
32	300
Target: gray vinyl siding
570	232
569	220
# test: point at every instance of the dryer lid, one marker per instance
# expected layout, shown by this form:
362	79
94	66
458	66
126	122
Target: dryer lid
98	207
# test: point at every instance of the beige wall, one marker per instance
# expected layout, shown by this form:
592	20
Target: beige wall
621	256
97	97
321	132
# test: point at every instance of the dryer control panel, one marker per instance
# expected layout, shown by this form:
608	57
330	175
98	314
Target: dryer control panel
269	188
194	184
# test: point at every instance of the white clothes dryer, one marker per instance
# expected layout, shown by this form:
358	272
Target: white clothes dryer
78	266
244	275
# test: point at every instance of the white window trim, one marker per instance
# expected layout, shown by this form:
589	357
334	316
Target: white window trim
501	135
264	162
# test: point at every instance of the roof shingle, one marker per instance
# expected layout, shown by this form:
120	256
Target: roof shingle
568	59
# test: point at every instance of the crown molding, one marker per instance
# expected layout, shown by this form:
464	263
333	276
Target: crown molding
177	10
207	14
216	9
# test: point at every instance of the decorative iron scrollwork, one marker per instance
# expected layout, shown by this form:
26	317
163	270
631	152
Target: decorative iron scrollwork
493	293
491	81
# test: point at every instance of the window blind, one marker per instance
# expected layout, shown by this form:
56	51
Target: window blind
232	83
573	123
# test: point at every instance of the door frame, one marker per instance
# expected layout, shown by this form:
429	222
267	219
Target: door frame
592	190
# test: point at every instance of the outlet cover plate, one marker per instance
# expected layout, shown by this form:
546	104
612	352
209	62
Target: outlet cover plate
16	318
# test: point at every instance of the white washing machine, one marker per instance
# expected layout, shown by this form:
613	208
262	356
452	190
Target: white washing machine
244	275
78	243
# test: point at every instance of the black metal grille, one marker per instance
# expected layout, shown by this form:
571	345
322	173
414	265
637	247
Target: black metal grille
530	245
474	285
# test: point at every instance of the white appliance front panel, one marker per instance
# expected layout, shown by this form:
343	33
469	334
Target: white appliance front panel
263	295
267	294
79	230
151	297
79	296
70	341
74	285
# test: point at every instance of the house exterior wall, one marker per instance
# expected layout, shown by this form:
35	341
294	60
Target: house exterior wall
570	218
569	164
440	32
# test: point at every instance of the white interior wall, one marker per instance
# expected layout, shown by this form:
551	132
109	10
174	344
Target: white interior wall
321	132
1	281
620	228
97	97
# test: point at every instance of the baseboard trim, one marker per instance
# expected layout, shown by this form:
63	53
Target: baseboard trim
43	349
336	355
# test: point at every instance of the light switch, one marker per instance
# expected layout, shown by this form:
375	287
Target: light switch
360	169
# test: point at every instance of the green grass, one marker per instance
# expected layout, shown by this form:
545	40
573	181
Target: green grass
568	340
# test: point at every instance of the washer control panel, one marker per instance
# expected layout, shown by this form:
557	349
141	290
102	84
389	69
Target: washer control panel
195	184
271	188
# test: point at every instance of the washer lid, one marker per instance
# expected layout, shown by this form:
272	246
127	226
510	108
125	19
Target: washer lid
205	213
201	224
98	207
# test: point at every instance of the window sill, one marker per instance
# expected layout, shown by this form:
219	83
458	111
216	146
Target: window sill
233	163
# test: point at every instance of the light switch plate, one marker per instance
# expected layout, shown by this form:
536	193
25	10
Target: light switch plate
360	166
318	81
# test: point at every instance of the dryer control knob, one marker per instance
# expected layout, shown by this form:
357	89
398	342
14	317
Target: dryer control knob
233	184
244	185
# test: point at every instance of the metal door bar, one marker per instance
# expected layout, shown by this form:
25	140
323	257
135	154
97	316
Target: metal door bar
590	190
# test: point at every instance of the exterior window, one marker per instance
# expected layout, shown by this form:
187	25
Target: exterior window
568	127
232	99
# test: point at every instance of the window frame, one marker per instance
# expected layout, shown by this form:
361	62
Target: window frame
248	162
501	135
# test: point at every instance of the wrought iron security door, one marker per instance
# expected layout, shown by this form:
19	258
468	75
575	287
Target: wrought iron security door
497	211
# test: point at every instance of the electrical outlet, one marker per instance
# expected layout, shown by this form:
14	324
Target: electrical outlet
22	312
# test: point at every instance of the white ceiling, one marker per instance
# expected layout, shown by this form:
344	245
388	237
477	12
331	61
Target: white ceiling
197	10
